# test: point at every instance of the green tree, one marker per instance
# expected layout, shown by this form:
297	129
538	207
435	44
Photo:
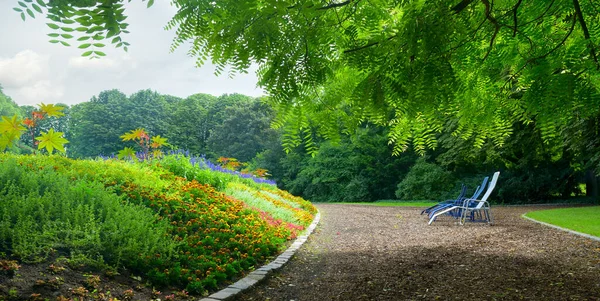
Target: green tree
407	65
186	129
7	106
96	125
244	132
360	168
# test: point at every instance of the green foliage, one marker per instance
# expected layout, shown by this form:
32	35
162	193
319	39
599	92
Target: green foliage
581	219
89	21
409	66
43	211
200	237
358	169
11	129
7	106
52	140
95	126
257	199
243	132
145	143
427	181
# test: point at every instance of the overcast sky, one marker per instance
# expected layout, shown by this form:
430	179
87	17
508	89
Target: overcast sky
32	70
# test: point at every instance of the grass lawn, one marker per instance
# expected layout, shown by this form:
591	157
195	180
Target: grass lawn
394	203
580	219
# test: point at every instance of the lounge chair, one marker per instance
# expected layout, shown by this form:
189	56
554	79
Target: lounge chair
459	201
471	206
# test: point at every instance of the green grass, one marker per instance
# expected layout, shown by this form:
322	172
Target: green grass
580	219
393	203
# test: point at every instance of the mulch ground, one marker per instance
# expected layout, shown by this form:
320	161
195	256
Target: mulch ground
390	253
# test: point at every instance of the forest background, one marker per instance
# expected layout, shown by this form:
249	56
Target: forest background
358	167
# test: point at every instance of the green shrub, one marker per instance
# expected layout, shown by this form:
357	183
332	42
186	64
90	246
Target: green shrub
43	211
427	181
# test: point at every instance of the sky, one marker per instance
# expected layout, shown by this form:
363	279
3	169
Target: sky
32	70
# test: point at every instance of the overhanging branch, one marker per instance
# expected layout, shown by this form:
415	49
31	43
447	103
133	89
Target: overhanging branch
586	32
334	5
367	45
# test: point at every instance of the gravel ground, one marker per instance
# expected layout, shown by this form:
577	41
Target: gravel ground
390	253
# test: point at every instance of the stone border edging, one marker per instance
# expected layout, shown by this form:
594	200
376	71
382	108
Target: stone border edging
260	274
561	228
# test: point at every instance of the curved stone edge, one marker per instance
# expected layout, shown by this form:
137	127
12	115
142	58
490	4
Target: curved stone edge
261	274
596	238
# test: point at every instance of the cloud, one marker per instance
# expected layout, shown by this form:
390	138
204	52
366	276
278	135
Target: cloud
24	68
26	78
41	91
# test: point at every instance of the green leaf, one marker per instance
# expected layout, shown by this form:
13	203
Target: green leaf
66	36
23	16
68	21
87	53
84	38
99	45
53	35
67	29
150	3
127	152
84	46
23	4
81	29
51	110
100	53
11	126
18	9
53	26
37	8
65	43
41	3
54	41
52	140
5	141
30	13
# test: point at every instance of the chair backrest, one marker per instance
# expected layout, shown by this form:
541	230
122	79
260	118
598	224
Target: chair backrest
491	186
480	189
463	191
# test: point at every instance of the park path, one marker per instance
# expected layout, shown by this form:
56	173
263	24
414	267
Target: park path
390	253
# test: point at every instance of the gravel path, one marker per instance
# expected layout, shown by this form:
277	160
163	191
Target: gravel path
390	253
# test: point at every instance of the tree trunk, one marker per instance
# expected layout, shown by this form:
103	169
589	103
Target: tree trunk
591	184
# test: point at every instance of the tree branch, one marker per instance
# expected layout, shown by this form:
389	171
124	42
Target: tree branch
586	32
542	15
531	60
462	5
515	17
367	46
334	5
488	15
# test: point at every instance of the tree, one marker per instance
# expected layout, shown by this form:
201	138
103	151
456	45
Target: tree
244	131
186	128
7	106
96	125
406	65
357	169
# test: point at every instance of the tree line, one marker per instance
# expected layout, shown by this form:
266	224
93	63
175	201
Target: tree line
359	166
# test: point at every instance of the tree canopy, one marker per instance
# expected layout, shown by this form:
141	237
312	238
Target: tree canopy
473	67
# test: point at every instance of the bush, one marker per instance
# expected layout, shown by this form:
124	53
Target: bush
218	236
427	181
43	211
